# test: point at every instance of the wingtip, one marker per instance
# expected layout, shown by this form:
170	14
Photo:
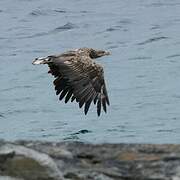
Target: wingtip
99	107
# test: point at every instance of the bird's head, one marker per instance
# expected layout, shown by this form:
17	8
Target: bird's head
43	60
98	53
93	53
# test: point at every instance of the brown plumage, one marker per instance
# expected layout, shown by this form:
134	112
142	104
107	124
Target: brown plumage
78	77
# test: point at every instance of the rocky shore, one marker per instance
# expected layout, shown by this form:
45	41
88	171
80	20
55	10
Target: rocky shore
35	160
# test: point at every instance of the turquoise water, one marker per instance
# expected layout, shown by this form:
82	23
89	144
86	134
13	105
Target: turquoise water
142	74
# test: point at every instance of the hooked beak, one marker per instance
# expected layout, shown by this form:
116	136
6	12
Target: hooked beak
101	53
41	60
107	53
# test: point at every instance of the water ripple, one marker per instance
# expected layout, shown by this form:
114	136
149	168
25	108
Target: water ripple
60	11
46	12
22	99
112	47
39	12
21	111
2	116
125	21
111	29
151	40
116	28
67	26
16	87
71	137
155	27
83	131
161	4
140	58
173	56
165	130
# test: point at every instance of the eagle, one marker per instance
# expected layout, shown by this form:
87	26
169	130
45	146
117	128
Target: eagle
78	77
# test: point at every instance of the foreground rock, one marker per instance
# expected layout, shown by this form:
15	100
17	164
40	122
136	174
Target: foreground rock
77	161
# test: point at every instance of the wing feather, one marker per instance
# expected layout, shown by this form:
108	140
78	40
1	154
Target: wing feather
99	106
82	79
87	105
68	96
64	92
73	98
104	103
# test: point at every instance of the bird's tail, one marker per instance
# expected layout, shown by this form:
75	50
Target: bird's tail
41	60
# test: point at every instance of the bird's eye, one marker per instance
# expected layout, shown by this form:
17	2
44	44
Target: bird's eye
92	54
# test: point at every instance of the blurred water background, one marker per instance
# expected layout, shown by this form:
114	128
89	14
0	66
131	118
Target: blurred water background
142	74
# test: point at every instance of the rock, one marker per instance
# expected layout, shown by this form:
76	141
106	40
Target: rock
28	164
8	178
35	160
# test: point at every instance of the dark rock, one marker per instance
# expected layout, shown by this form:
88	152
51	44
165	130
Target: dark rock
27	160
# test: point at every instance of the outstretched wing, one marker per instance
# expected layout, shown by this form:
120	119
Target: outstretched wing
82	80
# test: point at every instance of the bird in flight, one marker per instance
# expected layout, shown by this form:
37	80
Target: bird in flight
78	77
